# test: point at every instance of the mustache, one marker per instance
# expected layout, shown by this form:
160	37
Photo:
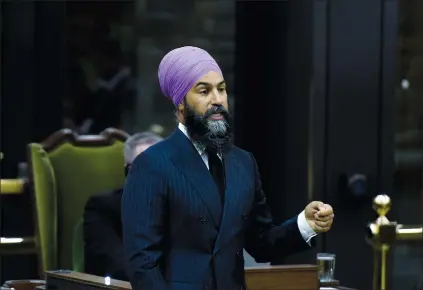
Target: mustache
216	110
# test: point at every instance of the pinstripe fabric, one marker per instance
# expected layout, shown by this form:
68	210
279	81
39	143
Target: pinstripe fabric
178	236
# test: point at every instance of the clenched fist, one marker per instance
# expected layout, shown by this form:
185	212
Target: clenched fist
319	216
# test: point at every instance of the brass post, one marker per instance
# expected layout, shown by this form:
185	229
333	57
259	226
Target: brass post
382	235
383	270
381	204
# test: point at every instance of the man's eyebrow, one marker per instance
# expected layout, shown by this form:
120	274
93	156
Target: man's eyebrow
202	84
209	84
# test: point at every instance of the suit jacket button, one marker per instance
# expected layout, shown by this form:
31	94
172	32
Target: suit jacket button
202	219
239	254
245	216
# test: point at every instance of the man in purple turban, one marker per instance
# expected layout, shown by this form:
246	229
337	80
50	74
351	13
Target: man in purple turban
192	202
192	79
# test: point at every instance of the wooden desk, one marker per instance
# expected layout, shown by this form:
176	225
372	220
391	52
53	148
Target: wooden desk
69	280
293	277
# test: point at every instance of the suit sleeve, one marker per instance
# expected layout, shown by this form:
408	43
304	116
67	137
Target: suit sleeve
103	246
267	242
143	222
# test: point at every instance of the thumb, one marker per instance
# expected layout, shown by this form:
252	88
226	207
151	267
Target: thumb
317	205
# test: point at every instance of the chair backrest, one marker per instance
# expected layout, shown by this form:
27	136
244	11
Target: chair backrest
66	170
78	257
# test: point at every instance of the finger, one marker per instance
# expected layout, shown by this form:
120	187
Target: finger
318	217
316	205
319	229
323	224
325	210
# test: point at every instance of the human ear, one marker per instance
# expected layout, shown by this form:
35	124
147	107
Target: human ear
181	108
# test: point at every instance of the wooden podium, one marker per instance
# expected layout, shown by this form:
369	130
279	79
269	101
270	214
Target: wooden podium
292	277
289	277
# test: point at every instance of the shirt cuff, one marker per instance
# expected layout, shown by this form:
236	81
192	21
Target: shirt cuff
306	231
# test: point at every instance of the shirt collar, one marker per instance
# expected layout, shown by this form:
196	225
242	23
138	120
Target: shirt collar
200	147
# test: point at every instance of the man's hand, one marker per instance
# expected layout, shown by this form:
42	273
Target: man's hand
319	216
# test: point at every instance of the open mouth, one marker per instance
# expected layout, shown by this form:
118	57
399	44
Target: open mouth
217	116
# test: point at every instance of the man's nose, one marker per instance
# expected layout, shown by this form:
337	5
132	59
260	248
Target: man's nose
217	98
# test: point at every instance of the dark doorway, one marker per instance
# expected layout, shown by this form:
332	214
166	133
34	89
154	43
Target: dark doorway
314	103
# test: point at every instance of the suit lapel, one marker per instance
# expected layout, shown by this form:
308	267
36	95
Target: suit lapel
232	171
187	159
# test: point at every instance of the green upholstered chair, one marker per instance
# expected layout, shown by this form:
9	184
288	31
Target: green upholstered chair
66	169
78	247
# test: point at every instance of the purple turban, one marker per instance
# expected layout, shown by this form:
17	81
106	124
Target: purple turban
181	68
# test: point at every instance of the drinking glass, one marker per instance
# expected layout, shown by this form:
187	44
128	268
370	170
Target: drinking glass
326	266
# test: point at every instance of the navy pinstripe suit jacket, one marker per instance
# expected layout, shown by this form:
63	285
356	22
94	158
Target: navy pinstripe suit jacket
176	233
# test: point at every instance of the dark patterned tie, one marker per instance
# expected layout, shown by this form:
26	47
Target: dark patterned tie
217	171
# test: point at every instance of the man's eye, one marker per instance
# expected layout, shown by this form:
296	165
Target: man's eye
203	92
222	90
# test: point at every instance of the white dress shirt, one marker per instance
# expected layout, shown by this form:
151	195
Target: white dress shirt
305	230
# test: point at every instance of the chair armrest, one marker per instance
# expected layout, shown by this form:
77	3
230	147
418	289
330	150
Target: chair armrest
12	186
17	245
24	284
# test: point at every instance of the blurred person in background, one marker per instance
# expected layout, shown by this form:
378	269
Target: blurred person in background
100	83
112	88
102	220
82	35
192	202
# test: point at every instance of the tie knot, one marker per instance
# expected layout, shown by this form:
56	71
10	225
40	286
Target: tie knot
211	150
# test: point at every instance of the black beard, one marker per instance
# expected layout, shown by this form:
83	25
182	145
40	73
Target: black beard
199	131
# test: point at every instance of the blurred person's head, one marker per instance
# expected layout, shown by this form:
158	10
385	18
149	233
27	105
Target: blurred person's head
194	82
136	144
